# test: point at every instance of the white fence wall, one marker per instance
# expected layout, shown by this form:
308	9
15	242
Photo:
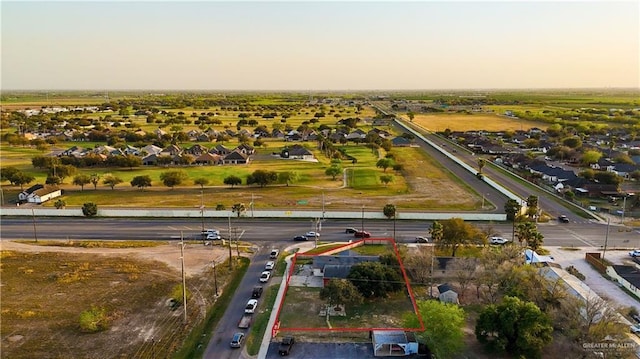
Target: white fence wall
195	213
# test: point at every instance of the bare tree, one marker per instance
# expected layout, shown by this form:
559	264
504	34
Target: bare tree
465	271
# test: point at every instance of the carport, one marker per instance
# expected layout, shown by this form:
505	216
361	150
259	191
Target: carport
393	343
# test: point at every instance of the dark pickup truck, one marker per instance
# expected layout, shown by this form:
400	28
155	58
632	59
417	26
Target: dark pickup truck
257	292
285	345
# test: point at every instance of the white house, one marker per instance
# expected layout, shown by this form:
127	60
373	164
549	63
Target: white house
39	194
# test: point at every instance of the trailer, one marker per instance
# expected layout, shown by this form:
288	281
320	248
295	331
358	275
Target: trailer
245	321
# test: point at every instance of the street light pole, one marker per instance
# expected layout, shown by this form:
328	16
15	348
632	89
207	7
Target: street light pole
606	239
202	208
362	224
215	278
35	233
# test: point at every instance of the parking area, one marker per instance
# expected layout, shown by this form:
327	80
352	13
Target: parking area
599	284
329	351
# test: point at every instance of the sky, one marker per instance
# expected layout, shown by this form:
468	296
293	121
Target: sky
325	45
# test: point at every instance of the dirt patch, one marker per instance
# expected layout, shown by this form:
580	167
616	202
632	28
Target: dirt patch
45	289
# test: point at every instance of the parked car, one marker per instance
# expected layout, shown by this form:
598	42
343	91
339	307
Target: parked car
274	254
362	234
285	345
350	230
256	292
264	277
564	219
250	308
635	253
312	234
498	240
300	238
635	328
236	341
421	239
269	265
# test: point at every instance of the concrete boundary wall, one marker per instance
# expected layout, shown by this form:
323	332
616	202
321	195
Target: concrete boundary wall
195	213
455	159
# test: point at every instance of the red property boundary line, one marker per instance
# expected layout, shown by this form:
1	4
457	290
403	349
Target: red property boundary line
277	326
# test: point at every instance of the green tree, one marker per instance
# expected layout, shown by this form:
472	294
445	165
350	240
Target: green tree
239	209
7	172
333	171
456	232
63	171
81	180
95	179
512	208
60	204
527	233
572	142
411	116
53	180
606	177
20	178
532	207
384	163
590	157
287	177
262	177
389	210
232	180
173	178
201	182
112	181
386	179
141	182
374	279
90	209
481	164
340	291
517	327
436	231
444	332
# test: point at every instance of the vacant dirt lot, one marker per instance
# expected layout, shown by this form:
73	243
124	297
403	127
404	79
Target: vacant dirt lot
45	289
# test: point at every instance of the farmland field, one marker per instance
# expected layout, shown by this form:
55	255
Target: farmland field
474	122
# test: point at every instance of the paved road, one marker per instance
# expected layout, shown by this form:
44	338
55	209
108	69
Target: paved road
580	232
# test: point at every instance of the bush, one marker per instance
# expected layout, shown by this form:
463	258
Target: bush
94	320
176	294
90	209
572	270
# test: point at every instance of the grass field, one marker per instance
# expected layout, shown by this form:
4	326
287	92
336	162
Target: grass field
474	122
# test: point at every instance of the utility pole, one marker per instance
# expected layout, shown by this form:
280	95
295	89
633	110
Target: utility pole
215	278
35	233
606	239
202	209
184	280
362	224
251	204
230	255
323	205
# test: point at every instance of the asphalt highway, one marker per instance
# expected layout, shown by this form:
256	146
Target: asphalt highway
579	232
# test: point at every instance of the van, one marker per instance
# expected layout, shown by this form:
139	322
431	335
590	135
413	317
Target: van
274	254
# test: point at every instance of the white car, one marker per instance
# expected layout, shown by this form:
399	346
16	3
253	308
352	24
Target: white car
635	253
312	234
421	239
635	328
270	265
498	240
252	304
264	277
213	237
